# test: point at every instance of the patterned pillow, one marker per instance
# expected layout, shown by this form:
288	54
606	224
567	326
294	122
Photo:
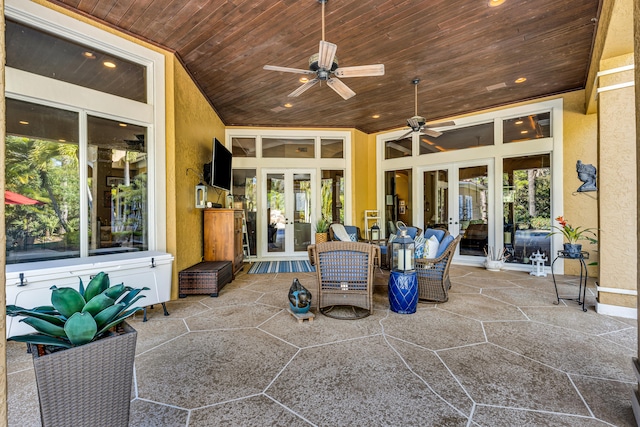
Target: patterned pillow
353	237
431	247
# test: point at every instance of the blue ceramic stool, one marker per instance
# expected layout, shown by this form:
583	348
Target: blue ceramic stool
403	292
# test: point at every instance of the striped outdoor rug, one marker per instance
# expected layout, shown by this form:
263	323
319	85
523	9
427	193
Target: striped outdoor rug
265	267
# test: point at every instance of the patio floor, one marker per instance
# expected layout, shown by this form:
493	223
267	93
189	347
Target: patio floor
498	353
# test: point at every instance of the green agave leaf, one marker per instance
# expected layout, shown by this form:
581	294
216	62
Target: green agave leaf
81	287
116	291
55	320
44	327
132	294
130	303
119	319
47	309
97	304
108	314
97	285
40	339
67	301
80	328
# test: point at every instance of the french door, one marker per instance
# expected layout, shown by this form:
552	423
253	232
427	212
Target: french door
288	218
458	197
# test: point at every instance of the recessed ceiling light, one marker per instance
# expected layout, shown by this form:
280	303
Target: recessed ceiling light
519	122
109	64
23	122
524	131
123	125
303	80
89	55
521	80
375	116
494	3
288	105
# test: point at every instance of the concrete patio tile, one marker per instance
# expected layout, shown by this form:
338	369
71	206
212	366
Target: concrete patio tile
461	288
203	368
503	417
255	411
521	297
228	297
608	400
185	307
495	376
229	317
156	331
428	366
359	382
17	357
626	338
573	317
150	414
323	329
485	282
23	408
479	307
419	328
571	351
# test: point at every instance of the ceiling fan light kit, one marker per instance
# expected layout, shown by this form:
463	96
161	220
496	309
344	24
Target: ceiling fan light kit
324	65
418	123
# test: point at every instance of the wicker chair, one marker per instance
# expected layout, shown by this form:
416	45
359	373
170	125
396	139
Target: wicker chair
433	275
345	275
352	230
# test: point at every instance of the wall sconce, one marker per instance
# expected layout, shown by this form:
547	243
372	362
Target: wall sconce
201	196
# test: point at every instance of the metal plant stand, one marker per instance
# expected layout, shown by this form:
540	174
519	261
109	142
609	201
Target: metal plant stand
583	277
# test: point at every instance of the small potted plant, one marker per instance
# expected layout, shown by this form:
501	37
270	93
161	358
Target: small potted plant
83	352
322	230
572	249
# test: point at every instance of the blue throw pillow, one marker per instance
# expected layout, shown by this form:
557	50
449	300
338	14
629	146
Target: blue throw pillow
444	244
434	232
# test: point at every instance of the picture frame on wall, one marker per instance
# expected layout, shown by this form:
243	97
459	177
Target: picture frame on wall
114	181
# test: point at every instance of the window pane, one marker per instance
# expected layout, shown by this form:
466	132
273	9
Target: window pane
526	202
243	147
44	54
117	177
245	198
332	193
42	207
397	148
458	139
331	148
527	128
288	148
473	210
398	201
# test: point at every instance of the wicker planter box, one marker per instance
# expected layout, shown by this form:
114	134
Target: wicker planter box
204	278
89	385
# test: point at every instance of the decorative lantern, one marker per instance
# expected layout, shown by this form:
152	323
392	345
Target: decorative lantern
201	196
375	232
403	249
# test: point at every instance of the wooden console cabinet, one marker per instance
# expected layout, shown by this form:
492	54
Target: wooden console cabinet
223	237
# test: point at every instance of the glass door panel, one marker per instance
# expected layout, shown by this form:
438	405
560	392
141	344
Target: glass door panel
289	215
473	209
436	198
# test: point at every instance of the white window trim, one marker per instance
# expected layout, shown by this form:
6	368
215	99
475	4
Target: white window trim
43	90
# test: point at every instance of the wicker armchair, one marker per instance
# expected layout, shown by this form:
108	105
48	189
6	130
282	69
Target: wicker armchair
345	275
352	230
433	275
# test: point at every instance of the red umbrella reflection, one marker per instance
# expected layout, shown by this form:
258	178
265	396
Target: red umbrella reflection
11	198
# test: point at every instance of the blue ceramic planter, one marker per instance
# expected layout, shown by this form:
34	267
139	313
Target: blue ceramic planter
403	292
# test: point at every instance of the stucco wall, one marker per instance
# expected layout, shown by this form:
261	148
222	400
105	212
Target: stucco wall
196	124
363	161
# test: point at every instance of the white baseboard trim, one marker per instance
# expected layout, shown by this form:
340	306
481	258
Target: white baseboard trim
615	310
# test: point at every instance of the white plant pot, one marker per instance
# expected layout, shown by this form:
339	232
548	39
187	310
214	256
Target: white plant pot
493	265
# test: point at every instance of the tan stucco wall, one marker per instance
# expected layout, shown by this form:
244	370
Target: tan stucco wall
363	162
196	124
617	183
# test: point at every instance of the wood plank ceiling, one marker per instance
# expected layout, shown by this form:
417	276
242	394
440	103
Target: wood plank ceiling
458	48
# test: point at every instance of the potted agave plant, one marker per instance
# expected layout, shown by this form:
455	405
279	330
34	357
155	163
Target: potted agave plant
322	228
83	353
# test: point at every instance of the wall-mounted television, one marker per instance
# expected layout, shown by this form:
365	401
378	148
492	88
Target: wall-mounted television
217	173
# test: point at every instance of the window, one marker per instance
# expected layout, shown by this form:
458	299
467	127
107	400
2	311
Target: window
243	147
457	139
331	148
288	148
89	164
397	148
526	128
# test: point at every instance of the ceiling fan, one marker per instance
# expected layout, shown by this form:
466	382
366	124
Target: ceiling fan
324	65
419	124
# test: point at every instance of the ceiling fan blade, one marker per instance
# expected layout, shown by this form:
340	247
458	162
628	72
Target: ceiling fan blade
326	54
361	71
413	124
441	124
286	69
432	133
341	89
405	135
303	88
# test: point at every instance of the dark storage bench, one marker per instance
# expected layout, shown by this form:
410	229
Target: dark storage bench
204	278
